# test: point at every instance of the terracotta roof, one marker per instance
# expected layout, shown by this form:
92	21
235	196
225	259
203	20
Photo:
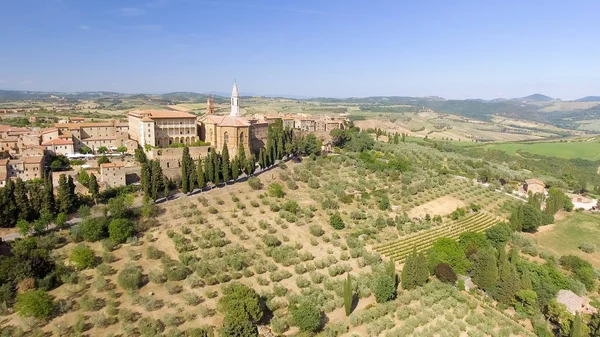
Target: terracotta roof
534	181
7	128
226	120
43	132
160	114
33	159
58	141
3	162
77	118
109	165
121	124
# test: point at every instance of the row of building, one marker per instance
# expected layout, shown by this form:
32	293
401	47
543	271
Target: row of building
155	130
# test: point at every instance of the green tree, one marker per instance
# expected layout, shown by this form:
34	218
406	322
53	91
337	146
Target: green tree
94	188
85	150
83	178
48	204
557	313
63	194
82	257
103	160
208	166
250	165
157	179
166	188
383	287
122	149
140	156
335	220
24	207
241	302
235	169
516	218
61	220
348	295
499	234
146	179
509	282
276	190
577	327
237	328
225	164
485	269
200	179
93	229
102	149
261	159
242	160
448	251
216	162
35	303
185	171
306	315
445	273
130	277
119	230
384	203
24	227
409	271
532	218
422	272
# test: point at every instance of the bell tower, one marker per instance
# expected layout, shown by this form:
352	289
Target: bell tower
235	102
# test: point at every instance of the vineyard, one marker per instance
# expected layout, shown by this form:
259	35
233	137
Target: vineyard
401	248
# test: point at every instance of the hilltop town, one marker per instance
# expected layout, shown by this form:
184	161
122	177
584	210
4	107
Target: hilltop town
28	152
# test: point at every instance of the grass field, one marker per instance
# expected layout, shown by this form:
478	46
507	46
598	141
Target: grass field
568	233
585	150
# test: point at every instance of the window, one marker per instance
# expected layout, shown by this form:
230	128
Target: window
241	138
226	138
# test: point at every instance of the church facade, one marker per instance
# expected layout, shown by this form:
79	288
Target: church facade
231	130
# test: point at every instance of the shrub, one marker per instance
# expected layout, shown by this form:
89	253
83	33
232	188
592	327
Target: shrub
92	229
212	210
306	315
587	247
34	303
255	183
316	230
130	277
153	253
271	240
383	287
291	184
336	221
302	282
150	327
119	230
276	190
445	273
173	288
241	301
313	183
82	257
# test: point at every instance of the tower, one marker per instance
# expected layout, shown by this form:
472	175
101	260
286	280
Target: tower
210	106
235	102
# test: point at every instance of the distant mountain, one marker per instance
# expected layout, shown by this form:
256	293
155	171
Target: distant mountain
588	99
537	98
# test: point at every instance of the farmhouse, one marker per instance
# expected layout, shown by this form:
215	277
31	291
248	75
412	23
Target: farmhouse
575	304
534	186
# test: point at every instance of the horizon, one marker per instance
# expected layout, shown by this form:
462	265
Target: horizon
303	49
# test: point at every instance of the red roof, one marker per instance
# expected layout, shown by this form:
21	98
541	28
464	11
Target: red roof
58	141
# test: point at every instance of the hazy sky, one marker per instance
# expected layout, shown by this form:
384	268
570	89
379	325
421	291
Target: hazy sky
340	48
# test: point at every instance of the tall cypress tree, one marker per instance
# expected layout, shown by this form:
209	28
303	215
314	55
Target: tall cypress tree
235	168
63	194
280	146
157	179
577	327
348	295
251	165
8	207
209	169
36	197
48	205
25	210
93	187
526	280
192	177
185	171
409	271
422	273
225	164
241	157
261	158
485	269
200	179
146	178
508	283
216	167
73	202
166	189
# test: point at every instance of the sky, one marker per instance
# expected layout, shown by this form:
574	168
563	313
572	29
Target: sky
335	48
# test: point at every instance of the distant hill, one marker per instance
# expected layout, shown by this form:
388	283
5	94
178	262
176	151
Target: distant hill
588	99
537	98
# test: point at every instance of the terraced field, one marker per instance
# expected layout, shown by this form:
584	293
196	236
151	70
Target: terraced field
401	248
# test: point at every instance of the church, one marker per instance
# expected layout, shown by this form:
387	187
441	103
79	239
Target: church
232	130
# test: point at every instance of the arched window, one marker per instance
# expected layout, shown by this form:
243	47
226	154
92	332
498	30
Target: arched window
241	138
226	138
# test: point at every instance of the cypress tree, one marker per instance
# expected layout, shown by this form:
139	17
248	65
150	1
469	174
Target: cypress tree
422	270
8	207
49	202
192	176
36	197
485	269
250	165
146	178
93	187
241	157
208	167
279	145
261	158
225	164
577	327
166	189
185	172
348	295
22	201
72	195
508	284
216	167
200	179
157	179
409	271
63	194
516	218
526	280
391	269
235	168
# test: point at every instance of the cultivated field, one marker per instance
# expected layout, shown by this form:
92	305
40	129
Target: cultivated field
583	149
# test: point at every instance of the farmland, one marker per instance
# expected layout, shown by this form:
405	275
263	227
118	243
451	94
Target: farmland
583	149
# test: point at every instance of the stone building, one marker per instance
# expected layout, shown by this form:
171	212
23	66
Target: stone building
161	128
112	174
111	134
232	130
27	168
59	146
534	186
